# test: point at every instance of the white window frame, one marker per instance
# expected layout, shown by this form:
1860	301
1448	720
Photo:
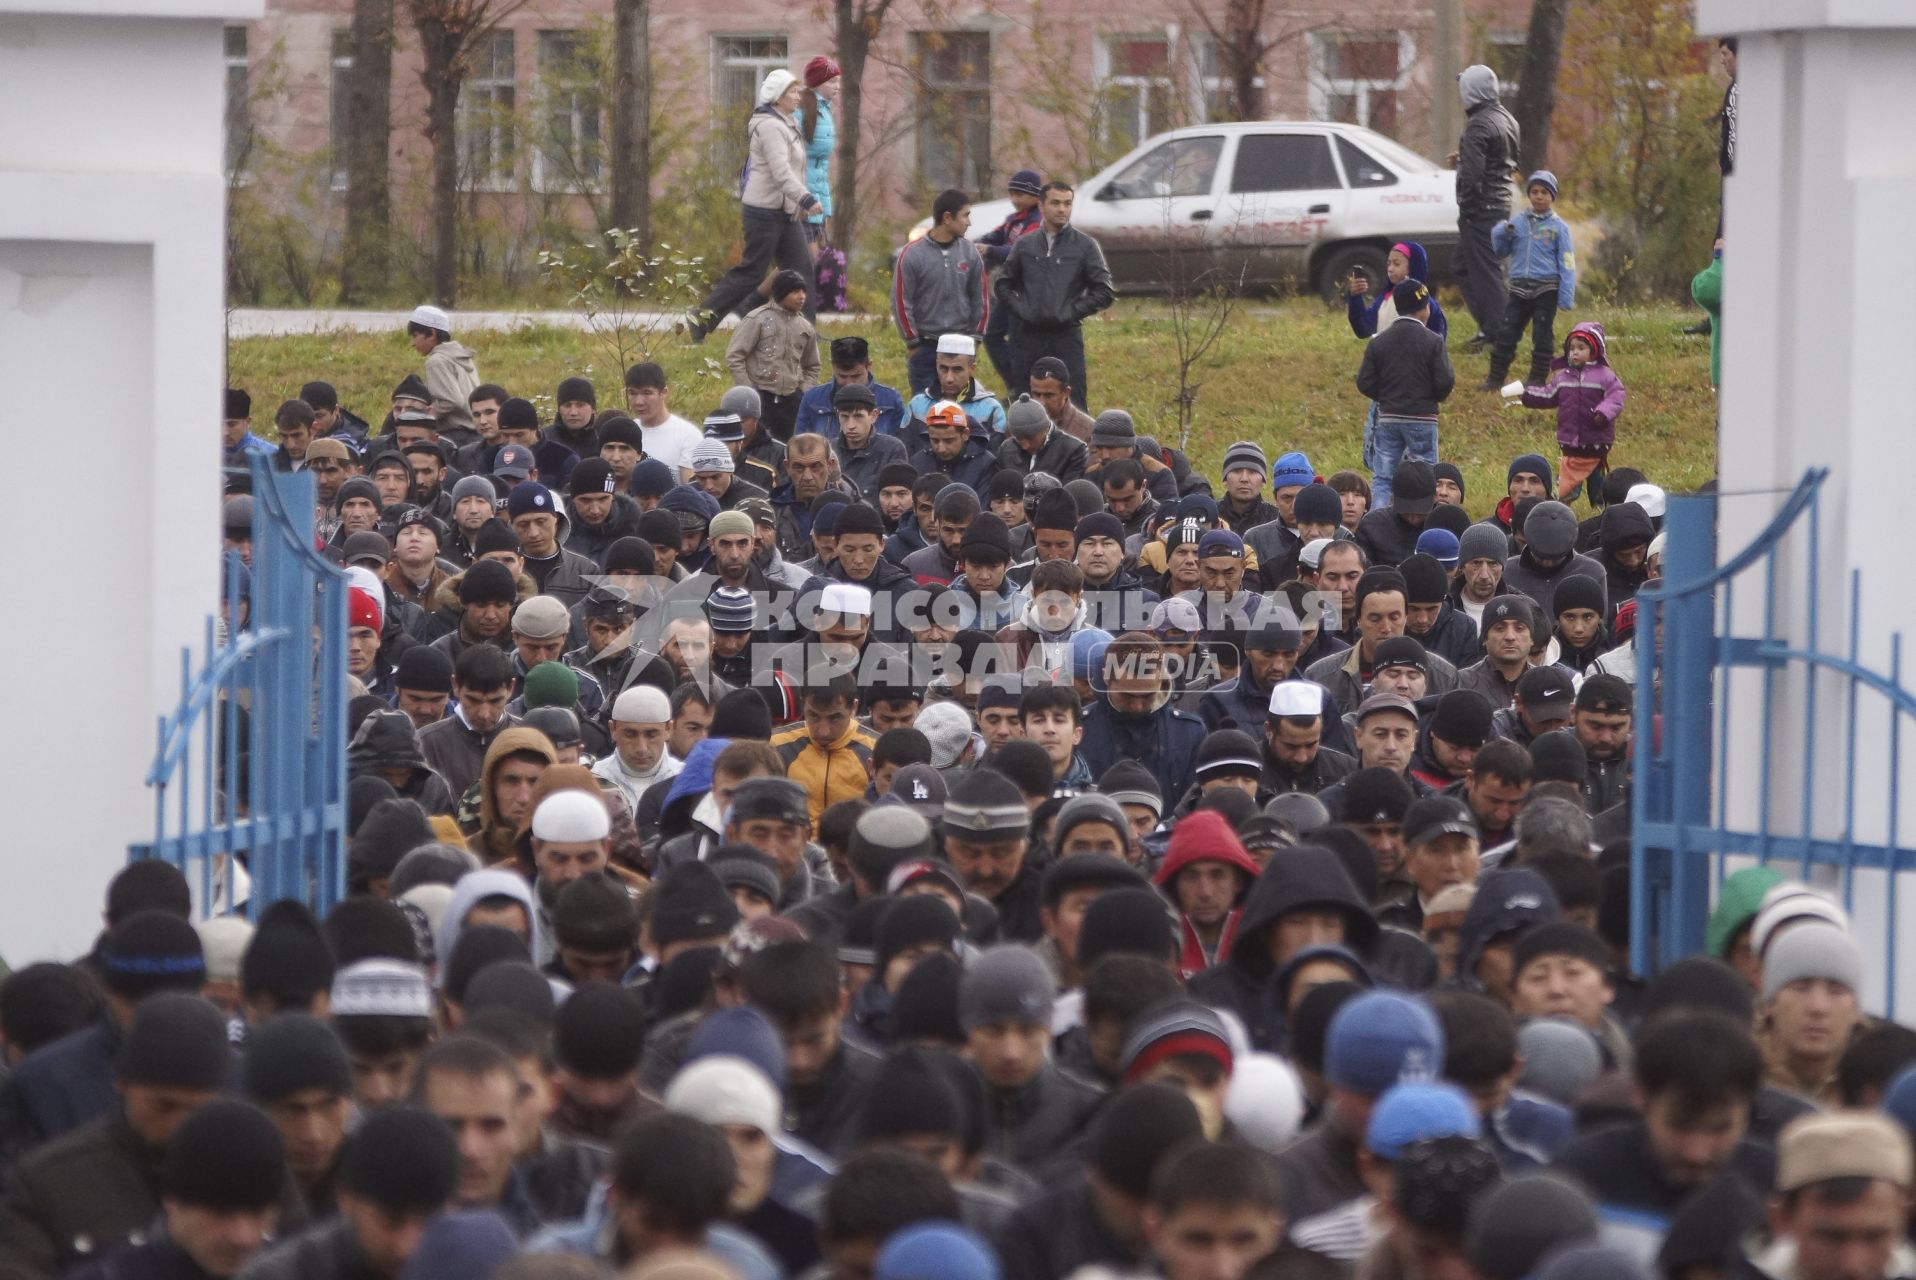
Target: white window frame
1135	89
759	65
240	113
1323	86
547	108
478	108
338	121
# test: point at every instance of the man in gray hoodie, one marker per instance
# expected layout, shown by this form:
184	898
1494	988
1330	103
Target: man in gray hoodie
450	374
1486	154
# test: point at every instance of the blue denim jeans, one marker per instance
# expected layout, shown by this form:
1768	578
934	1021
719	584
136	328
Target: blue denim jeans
1396	440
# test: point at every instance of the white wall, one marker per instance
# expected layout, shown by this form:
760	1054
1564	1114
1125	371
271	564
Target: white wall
112	353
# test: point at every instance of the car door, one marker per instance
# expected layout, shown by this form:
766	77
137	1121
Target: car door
1155	207
1284	196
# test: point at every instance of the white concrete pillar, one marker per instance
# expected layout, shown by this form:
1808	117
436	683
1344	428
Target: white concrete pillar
1816	373
112	357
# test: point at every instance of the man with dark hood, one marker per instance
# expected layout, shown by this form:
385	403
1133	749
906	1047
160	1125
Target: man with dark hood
1486	155
1623	533
1507	903
387	746
1303	898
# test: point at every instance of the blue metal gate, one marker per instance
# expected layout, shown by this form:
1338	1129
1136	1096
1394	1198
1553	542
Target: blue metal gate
1690	721
250	770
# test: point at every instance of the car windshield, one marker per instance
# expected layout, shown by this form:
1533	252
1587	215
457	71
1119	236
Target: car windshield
1181	167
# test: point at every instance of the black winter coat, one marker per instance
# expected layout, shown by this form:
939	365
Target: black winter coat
1052	284
1488	151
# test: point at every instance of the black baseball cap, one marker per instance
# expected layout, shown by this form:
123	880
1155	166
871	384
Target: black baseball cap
1435	816
1546	693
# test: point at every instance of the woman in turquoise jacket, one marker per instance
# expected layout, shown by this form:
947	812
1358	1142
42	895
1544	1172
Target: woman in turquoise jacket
821	135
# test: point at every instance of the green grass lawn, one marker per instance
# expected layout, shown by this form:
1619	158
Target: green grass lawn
1282	376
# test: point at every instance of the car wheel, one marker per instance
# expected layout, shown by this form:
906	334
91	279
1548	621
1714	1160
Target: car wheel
1335	268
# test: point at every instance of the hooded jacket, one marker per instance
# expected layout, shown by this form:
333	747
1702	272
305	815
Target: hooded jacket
1305	876
1506	901
1062	455
1521	573
1587	399
493	882
1204	837
1453	637
1371	313
451	376
493	842
1488	150
1622	524
388	739
1538	246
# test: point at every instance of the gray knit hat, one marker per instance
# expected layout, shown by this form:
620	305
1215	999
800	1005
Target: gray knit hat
1483	542
1515	1226
475	487
1560	1059
1026	417
1113	430
1245	453
1009	983
1812	950
1089	807
1550	529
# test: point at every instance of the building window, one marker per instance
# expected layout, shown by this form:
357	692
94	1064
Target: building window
1504	53
239	118
485	113
739	65
570	156
1214	85
1136	99
954	109
342	117
1358	78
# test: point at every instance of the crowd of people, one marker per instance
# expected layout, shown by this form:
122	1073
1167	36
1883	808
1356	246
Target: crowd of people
920	833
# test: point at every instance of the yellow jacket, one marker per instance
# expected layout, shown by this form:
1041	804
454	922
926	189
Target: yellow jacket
828	774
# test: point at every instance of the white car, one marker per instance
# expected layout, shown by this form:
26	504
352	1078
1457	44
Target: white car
1260	206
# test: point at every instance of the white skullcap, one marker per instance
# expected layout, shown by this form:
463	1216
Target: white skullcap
1647	496
642	704
846	598
1265	1100
1313	552
1297	698
432	318
957	344
571	817
1657	544
382	988
224	940
368	581
722	1089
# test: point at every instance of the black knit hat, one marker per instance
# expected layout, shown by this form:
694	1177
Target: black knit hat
1462	718
1087	871
689	902
488	581
513	985
595	913
1558	757
741	866
479	946
403	1159
1425	581
1376	794
1700	982
393	829
424	669
292	1053
911	1096
1056	510
1135	1130
600	1032
571	389
1559	938
288	959
151	951
916	920
226	1156
1311	1022
925	1006
1132	921
1515	1226
986	540
177	1041
1228	753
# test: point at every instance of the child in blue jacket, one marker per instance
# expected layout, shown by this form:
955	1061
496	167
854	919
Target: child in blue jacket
1543	280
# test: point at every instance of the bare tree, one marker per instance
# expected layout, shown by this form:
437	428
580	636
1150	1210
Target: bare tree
632	119
1201	292
1537	91
856	24
1244	37
450	32
369	97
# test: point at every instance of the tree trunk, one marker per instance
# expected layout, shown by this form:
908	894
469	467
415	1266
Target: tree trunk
1241	50
632	119
362	269
855	26
443	78
1537	93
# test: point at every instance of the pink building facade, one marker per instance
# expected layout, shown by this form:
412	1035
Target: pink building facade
959	94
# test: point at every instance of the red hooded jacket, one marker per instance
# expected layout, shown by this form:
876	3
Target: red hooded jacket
1204	836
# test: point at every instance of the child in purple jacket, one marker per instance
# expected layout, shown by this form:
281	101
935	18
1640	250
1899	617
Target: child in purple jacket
1587	395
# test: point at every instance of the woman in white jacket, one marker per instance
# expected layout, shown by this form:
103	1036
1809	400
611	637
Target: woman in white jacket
775	202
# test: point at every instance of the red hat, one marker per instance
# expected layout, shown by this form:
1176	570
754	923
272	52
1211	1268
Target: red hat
362	610
1204	836
819	70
